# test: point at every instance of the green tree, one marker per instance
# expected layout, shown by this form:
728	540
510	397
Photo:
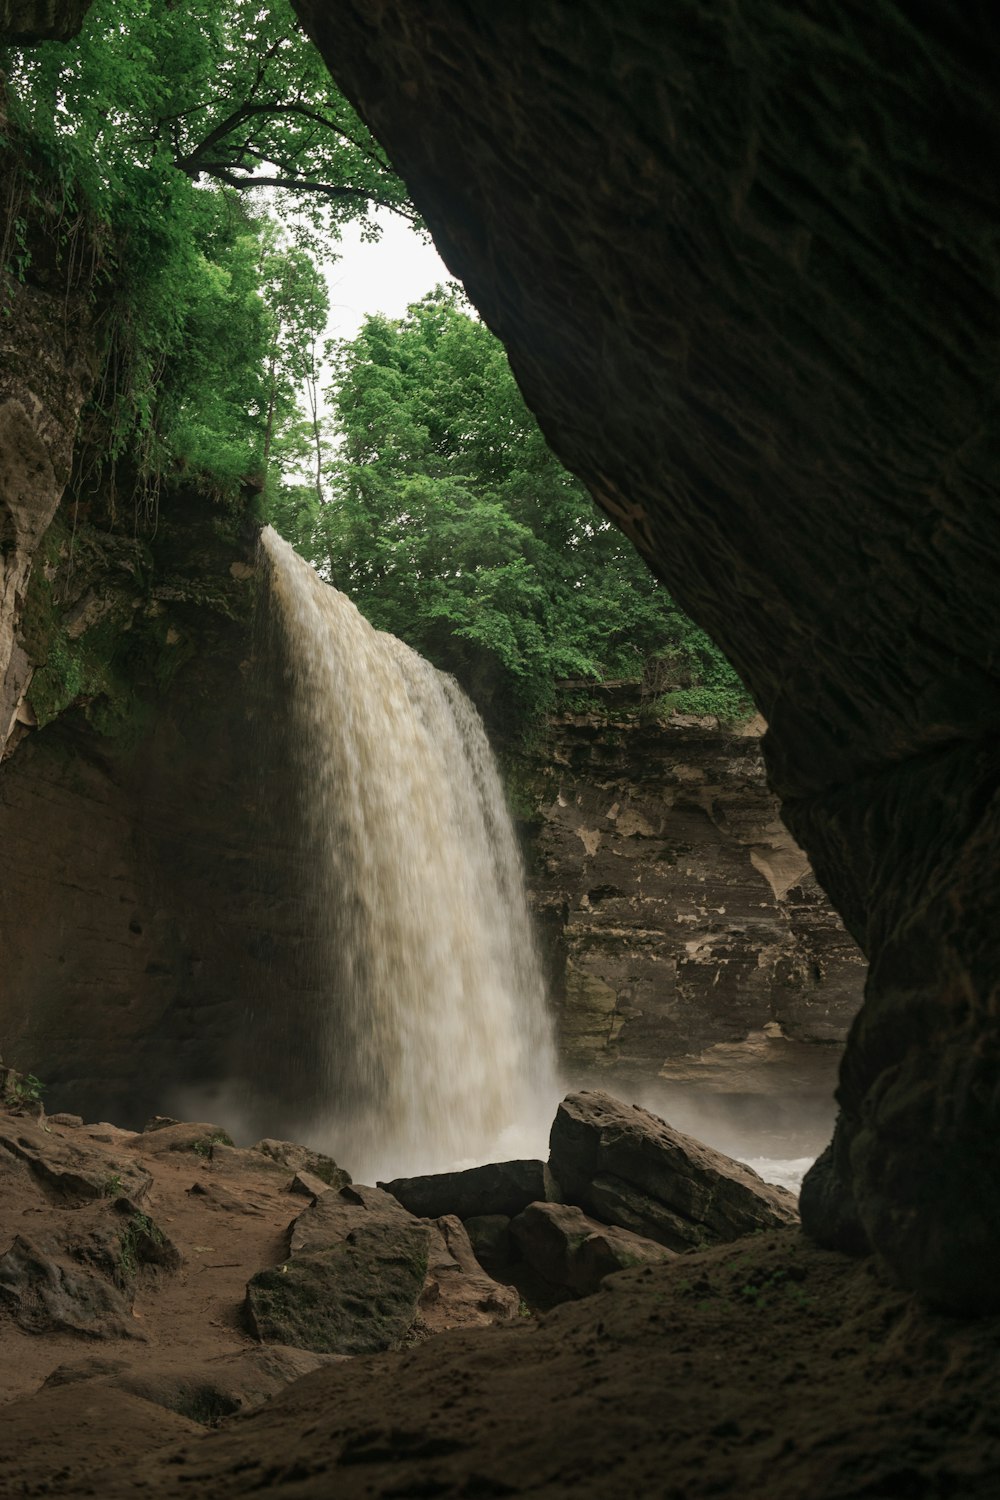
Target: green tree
230	93
165	124
451	524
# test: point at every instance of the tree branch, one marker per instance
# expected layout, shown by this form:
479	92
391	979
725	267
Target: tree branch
222	172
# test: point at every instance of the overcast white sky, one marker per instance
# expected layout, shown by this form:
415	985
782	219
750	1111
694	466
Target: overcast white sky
384	277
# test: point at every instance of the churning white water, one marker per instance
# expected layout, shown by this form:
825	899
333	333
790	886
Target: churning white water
438	1046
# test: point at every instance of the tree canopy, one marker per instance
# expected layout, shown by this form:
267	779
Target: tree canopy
187	131
210	147
451	524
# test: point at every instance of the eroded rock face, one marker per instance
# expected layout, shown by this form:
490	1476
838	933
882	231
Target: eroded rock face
152	889
744	266
685	932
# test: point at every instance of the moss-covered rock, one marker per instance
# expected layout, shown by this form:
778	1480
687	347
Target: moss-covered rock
356	1297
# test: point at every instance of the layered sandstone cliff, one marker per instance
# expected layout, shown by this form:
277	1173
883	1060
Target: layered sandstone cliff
686	914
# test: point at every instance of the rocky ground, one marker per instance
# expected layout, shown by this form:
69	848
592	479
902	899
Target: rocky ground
152	1289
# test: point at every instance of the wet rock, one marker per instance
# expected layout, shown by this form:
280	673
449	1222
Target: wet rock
573	1252
498	1188
626	1167
301	1159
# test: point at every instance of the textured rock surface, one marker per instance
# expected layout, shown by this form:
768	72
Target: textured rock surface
358	1296
626	1167
678	911
41	20
154	886
731	1372
300	1159
573	1252
72	1172
362	1273
497	1188
49	348
744	263
458	1292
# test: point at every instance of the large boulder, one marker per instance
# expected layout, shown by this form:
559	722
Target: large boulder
355	1269
498	1188
626	1167
574	1253
77	1273
362	1273
358	1296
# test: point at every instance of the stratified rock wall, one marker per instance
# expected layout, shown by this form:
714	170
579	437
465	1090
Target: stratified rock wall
157	927
745	262
679	916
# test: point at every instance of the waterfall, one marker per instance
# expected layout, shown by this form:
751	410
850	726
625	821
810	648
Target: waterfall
437	1046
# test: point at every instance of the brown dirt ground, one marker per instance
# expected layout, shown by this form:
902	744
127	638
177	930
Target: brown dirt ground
766	1368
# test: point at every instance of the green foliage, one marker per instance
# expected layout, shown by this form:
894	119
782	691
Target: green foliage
24	1088
163	123
204	1146
138	1237
450	523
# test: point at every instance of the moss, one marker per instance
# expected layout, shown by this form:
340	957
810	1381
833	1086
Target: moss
525	785
139	1236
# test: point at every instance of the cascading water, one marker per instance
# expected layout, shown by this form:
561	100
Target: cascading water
438	1048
